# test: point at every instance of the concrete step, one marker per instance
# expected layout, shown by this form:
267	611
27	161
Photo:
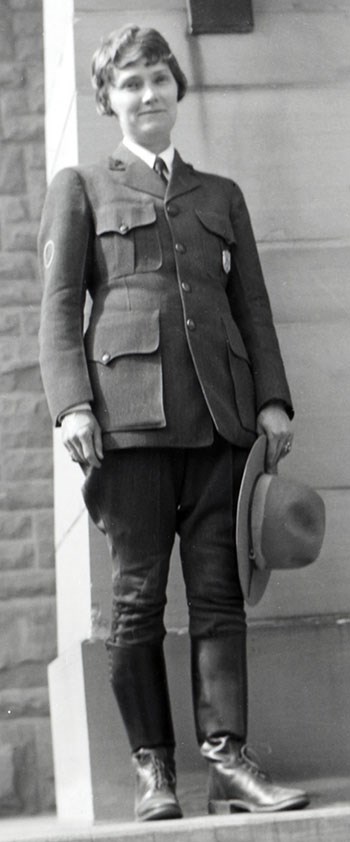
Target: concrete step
326	820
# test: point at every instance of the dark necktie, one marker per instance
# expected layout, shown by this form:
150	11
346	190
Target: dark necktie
161	169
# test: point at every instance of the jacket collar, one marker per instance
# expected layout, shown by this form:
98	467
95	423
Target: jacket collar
136	174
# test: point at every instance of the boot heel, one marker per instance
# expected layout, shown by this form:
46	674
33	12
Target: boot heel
220	808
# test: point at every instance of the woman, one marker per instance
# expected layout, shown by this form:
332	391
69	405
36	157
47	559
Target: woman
160	403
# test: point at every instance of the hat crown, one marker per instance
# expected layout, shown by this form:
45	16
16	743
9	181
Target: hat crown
287	523
280	524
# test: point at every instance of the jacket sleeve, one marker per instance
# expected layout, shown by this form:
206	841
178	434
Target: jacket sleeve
63	247
251	310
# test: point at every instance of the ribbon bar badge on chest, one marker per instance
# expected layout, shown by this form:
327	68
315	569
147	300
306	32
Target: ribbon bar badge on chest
226	260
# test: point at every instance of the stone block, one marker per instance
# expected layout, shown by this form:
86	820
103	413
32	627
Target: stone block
31	320
45	778
44	538
14	209
11	104
35	156
43	523
14	352
23	292
16	554
23	737
27	631
36	177
24	702
26	776
27	22
36	195
33	674
11	169
308	283
23	127
27	583
18	266
45	553
35	89
22	378
29	49
27	463
318	371
11	75
33	407
24	495
14	525
25	5
10	323
28	435
6	35
21	236
9	800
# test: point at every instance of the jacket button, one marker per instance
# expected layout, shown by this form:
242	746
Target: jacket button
180	248
105	358
185	286
191	324
123	228
173	210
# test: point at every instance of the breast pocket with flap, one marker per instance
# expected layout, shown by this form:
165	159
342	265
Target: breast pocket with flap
217	238
128	238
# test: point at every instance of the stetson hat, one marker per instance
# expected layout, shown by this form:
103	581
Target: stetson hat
280	524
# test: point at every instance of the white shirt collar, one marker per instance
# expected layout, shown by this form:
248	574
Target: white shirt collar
149	157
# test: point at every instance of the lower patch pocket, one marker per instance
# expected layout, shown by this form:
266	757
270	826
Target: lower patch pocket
125	368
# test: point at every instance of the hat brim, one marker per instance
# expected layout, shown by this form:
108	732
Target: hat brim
253	581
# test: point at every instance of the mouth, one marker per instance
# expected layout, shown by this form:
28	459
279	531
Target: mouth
150	113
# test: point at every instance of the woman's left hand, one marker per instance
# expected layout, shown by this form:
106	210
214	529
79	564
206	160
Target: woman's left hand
273	422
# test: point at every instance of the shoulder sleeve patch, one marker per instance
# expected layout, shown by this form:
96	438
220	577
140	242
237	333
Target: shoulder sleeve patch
48	253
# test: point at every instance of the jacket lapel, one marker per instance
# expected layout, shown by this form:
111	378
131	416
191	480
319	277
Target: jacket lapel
183	178
134	173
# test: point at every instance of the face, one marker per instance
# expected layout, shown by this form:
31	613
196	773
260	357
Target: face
144	98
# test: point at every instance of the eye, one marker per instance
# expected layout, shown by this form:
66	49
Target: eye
132	84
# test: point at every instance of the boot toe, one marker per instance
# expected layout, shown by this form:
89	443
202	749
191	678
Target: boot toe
272	799
157	810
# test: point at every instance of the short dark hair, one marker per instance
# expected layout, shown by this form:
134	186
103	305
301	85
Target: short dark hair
125	46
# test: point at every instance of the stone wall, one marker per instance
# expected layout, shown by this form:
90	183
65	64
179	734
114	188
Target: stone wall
27	607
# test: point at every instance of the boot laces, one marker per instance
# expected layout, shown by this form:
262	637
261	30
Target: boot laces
250	761
160	773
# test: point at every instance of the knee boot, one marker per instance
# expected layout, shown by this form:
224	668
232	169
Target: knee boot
219	686
139	681
220	702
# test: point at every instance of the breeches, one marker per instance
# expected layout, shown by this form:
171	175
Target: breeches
141	498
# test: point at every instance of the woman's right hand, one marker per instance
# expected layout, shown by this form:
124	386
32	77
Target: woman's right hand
81	435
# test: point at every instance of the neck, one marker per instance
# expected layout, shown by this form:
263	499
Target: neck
155	145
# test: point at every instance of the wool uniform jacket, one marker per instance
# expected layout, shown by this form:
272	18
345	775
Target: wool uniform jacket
180	338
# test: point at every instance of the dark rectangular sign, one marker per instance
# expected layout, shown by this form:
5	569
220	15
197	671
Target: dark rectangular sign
209	16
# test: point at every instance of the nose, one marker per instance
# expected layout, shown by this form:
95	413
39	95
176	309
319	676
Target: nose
149	93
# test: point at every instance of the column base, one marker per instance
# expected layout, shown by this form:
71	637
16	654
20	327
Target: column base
93	775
